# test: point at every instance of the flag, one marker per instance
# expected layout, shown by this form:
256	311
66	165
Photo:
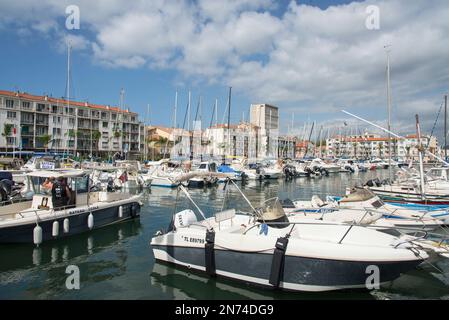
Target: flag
124	177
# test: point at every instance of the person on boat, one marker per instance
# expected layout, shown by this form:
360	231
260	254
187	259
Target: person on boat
47	185
60	193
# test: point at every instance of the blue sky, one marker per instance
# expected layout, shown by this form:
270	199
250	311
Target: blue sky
310	58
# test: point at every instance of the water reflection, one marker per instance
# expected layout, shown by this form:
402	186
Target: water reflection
115	261
180	283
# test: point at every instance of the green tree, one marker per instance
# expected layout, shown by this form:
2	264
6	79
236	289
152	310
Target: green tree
96	136
7	130
45	140
380	147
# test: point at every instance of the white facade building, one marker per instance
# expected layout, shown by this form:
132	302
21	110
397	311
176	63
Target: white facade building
74	127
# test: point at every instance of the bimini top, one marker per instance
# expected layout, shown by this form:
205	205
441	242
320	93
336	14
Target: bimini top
58	173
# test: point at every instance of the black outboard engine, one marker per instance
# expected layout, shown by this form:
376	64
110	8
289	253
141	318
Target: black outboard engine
6	186
308	171
324	172
287	203
110	185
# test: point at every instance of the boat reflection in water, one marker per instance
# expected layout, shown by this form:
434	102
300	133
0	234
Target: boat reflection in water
180	283
100	256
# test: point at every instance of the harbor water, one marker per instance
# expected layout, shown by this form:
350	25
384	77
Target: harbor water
116	262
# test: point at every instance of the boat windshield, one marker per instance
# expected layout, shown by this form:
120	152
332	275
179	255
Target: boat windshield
273	214
358	195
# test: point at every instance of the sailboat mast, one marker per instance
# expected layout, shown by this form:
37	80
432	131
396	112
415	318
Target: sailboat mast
188	126
445	127
175	125
68	97
389	112
420	153
229	120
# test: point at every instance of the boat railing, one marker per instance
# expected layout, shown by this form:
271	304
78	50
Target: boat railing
353	224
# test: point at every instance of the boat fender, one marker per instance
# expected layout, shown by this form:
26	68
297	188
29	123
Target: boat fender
209	253
55	229
120	212
90	221
37	235
277	264
66	225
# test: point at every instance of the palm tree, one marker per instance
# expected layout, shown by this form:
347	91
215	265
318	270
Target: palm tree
380	147
7	130
45	140
407	148
159	143
96	136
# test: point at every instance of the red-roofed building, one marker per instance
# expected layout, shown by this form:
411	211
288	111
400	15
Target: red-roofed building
376	146
69	126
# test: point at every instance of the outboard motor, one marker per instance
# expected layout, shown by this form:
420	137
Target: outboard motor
369	183
6	185
287	203
110	186
324	172
349	168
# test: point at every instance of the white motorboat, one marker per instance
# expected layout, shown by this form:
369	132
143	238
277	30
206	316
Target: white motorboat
361	201
69	208
277	253
318	164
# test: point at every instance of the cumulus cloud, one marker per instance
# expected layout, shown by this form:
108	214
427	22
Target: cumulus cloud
306	59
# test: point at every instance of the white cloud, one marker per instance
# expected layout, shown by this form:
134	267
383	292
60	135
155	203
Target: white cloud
307	60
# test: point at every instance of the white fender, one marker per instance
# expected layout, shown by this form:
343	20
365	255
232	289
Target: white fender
55	229
120	212
66	225
37	235
90	221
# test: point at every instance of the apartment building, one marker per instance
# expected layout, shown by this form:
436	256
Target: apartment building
266	118
45	123
376	146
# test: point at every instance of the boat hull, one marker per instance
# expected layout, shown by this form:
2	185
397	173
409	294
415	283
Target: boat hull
299	274
78	223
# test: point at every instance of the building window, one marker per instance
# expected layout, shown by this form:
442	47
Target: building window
11	141
114	116
105	124
11	115
71	121
104	144
26	105
9	103
40	107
